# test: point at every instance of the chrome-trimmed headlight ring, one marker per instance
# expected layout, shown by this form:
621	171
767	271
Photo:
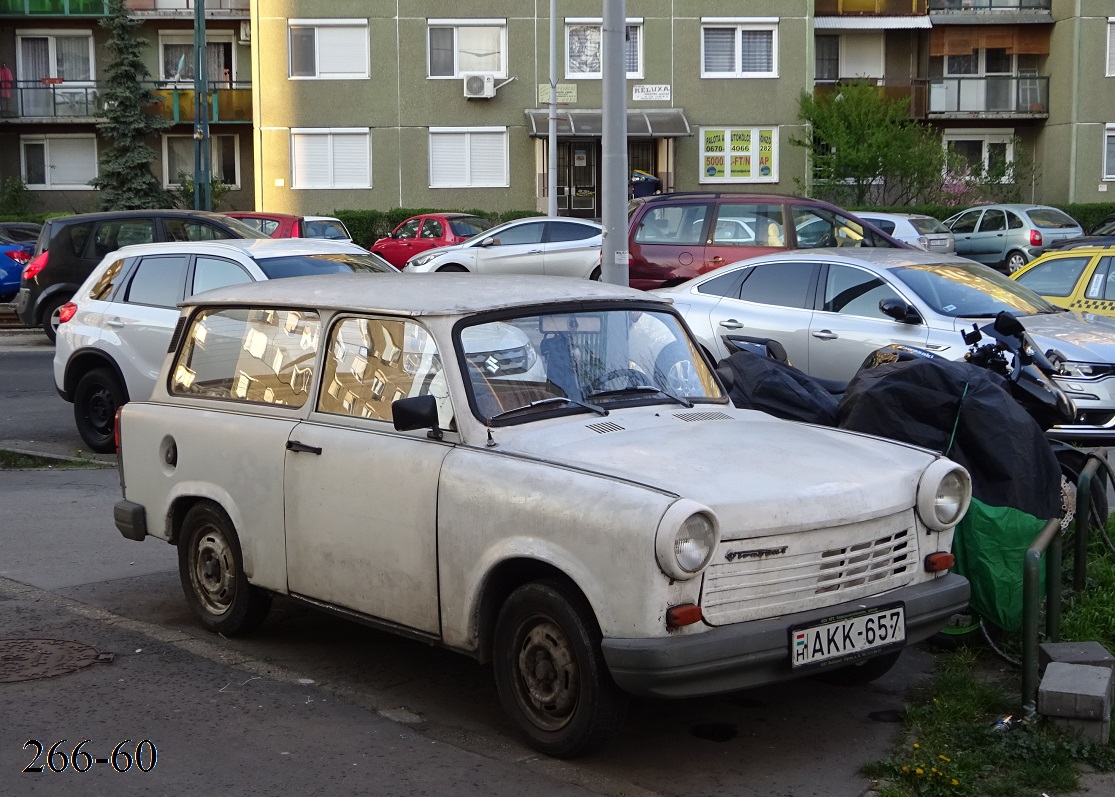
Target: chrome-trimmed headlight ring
944	492
687	538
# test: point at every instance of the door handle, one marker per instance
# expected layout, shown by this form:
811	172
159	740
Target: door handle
825	334
535	252
302	448
717	259
731	323
116	322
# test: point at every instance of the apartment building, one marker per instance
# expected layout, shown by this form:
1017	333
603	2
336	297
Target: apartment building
50	96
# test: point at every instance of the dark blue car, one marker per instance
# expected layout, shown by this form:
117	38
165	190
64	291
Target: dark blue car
13	257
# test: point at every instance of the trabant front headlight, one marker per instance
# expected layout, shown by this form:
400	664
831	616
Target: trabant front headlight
687	538
944	492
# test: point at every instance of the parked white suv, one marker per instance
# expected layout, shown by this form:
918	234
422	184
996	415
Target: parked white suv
113	335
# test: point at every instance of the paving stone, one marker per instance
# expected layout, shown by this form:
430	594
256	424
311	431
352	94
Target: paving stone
1095	731
1075	653
1080	691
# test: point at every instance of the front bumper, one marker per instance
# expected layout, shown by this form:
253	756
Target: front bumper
732	657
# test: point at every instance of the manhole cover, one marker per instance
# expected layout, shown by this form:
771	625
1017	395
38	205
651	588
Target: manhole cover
28	659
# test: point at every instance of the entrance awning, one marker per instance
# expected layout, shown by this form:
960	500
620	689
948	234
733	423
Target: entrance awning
588	123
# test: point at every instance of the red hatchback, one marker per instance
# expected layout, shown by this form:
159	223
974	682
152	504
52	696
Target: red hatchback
284	225
419	233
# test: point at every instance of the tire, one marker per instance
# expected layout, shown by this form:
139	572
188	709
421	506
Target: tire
1014	261
96	398
550	672
860	673
595	275
50	316
452	268
211	567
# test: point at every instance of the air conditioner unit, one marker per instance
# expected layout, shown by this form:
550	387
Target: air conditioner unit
245	31
480	86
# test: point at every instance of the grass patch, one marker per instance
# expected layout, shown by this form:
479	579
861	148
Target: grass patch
11	460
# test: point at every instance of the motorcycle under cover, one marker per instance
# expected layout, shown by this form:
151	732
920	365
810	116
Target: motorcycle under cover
778	389
967	413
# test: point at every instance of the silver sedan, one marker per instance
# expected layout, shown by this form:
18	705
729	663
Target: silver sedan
830	308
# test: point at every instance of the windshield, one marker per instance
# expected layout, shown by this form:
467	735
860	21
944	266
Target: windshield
305	265
522	368
468	226
970	290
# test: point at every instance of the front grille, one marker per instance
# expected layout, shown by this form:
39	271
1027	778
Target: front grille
703	416
819	567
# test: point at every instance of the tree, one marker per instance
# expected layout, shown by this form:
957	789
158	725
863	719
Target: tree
126	180
865	148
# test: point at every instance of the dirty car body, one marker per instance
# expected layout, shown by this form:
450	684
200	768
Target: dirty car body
586	510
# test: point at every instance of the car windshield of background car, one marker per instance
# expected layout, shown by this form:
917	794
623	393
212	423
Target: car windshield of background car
973	291
542	364
332	230
469	226
927	224
334	263
1051	218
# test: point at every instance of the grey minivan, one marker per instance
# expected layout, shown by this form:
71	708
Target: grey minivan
1008	237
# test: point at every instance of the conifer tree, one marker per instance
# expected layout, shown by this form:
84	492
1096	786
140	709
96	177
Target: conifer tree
126	180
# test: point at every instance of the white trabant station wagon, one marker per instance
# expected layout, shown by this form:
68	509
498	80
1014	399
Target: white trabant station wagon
577	503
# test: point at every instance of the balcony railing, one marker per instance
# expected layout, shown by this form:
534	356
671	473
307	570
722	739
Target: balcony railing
79	101
990	5
892	91
886	8
1006	95
99	8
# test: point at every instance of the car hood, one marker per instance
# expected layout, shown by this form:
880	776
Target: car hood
1081	337
756	472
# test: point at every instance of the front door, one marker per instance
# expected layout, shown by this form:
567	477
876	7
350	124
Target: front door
513	250
578	178
361	498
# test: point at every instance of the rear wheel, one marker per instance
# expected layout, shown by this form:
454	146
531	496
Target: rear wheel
96	398
595	275
50	316
550	672
1015	260
452	267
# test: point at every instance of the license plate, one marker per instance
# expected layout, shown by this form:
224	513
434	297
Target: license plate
848	637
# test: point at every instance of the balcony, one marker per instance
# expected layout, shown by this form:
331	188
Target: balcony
996	97
99	8
989	5
915	91
54	100
881	8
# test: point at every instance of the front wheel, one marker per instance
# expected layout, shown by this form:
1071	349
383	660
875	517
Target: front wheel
550	673
96	398
211	567
1015	261
452	268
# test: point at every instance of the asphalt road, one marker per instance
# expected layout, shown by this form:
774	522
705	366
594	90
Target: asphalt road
312	704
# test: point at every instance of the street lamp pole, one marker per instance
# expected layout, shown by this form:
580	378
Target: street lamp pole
551	159
614	178
202	150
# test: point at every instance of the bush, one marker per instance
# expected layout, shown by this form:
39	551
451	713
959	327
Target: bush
367	226
15	198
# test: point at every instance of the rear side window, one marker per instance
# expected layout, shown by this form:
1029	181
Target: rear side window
1051	218
469	225
265	226
251	355
186	230
158	281
748	225
1056	277
924	225
1102	284
216	272
558	231
993	221
111	235
886	225
102	288
779	284
673	224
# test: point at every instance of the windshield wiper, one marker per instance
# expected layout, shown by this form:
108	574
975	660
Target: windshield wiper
552	400
644	389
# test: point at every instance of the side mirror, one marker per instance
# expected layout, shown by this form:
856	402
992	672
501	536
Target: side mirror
490	242
899	311
1006	324
416	412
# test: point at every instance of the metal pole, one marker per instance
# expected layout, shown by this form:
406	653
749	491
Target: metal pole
202	151
1084	484
1031	599
614	161
551	159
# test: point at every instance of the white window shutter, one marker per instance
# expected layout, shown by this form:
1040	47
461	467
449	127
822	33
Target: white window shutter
309	165
342	52
1111	48
488	159
73	161
351	160
720	50
448	160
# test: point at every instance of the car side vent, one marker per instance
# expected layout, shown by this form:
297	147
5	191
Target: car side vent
605	427
703	416
177	333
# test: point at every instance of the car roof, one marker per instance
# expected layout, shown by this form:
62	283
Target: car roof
882	257
320	218
418	294
125	214
732	196
261	214
871	214
255	248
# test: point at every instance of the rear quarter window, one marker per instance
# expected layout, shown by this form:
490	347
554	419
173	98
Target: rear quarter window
79	237
102	288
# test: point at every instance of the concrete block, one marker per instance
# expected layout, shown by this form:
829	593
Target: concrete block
1094	731
1075	653
1080	691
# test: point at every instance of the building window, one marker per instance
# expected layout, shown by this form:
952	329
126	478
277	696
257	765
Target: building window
473	157
739	154
827	69
583	49
984	152
176	57
54	57
178	159
328	49
1109	152
745	49
331	158
56	163
462	47
1111	47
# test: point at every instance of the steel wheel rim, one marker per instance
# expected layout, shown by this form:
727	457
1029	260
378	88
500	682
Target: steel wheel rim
100	410
546	677
213	572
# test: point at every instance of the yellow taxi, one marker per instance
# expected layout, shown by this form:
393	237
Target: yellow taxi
1080	279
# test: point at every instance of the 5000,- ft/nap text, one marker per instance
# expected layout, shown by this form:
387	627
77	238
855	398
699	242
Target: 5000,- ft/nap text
144	755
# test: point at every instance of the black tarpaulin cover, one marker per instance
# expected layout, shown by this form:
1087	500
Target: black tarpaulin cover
778	389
